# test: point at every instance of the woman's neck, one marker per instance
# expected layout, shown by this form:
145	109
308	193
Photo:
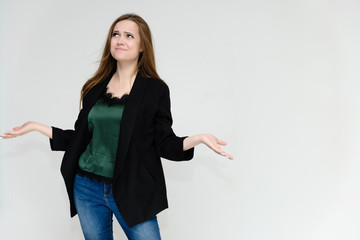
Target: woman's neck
126	72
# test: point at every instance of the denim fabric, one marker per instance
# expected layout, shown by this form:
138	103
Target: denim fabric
95	205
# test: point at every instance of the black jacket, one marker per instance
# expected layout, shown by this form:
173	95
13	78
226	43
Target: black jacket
145	136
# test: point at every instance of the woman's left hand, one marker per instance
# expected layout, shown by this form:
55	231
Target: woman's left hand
209	140
215	144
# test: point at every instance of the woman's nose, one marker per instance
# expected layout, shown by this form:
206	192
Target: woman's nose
120	41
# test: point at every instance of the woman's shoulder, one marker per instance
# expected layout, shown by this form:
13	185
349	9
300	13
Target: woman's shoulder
158	84
95	91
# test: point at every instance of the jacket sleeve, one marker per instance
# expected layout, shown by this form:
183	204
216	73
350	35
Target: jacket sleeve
169	145
61	138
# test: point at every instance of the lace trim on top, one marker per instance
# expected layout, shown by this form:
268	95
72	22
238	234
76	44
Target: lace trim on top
111	100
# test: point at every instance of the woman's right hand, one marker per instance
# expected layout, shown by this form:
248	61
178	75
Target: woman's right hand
20	130
26	128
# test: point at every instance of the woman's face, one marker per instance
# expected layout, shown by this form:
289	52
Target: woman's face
125	42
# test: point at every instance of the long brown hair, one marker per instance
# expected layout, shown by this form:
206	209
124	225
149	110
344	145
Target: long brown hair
146	63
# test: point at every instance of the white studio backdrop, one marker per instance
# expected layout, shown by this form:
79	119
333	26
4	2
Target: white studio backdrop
278	80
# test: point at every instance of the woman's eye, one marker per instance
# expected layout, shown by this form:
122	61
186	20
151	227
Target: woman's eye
130	36
115	34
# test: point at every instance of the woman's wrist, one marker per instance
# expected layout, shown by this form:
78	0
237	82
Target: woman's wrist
41	128
33	126
199	138
44	129
192	141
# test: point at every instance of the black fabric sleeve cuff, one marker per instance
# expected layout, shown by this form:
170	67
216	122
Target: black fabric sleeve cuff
60	139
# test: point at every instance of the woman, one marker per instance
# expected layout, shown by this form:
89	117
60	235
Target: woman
112	161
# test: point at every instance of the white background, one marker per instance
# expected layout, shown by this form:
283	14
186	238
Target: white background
278	80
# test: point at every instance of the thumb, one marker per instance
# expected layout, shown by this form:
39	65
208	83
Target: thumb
16	128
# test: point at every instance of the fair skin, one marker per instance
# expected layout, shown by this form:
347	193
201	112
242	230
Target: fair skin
125	49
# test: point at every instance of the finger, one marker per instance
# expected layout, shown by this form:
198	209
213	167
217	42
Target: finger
219	150
227	155
221	142
6	136
9	135
212	144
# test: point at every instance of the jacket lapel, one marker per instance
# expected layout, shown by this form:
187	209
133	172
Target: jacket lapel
94	94
128	120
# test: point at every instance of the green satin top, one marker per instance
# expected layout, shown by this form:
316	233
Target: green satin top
104	124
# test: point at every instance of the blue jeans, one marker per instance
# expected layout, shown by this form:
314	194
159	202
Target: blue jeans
95	205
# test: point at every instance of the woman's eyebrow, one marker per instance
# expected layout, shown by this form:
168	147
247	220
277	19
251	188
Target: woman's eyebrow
117	31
